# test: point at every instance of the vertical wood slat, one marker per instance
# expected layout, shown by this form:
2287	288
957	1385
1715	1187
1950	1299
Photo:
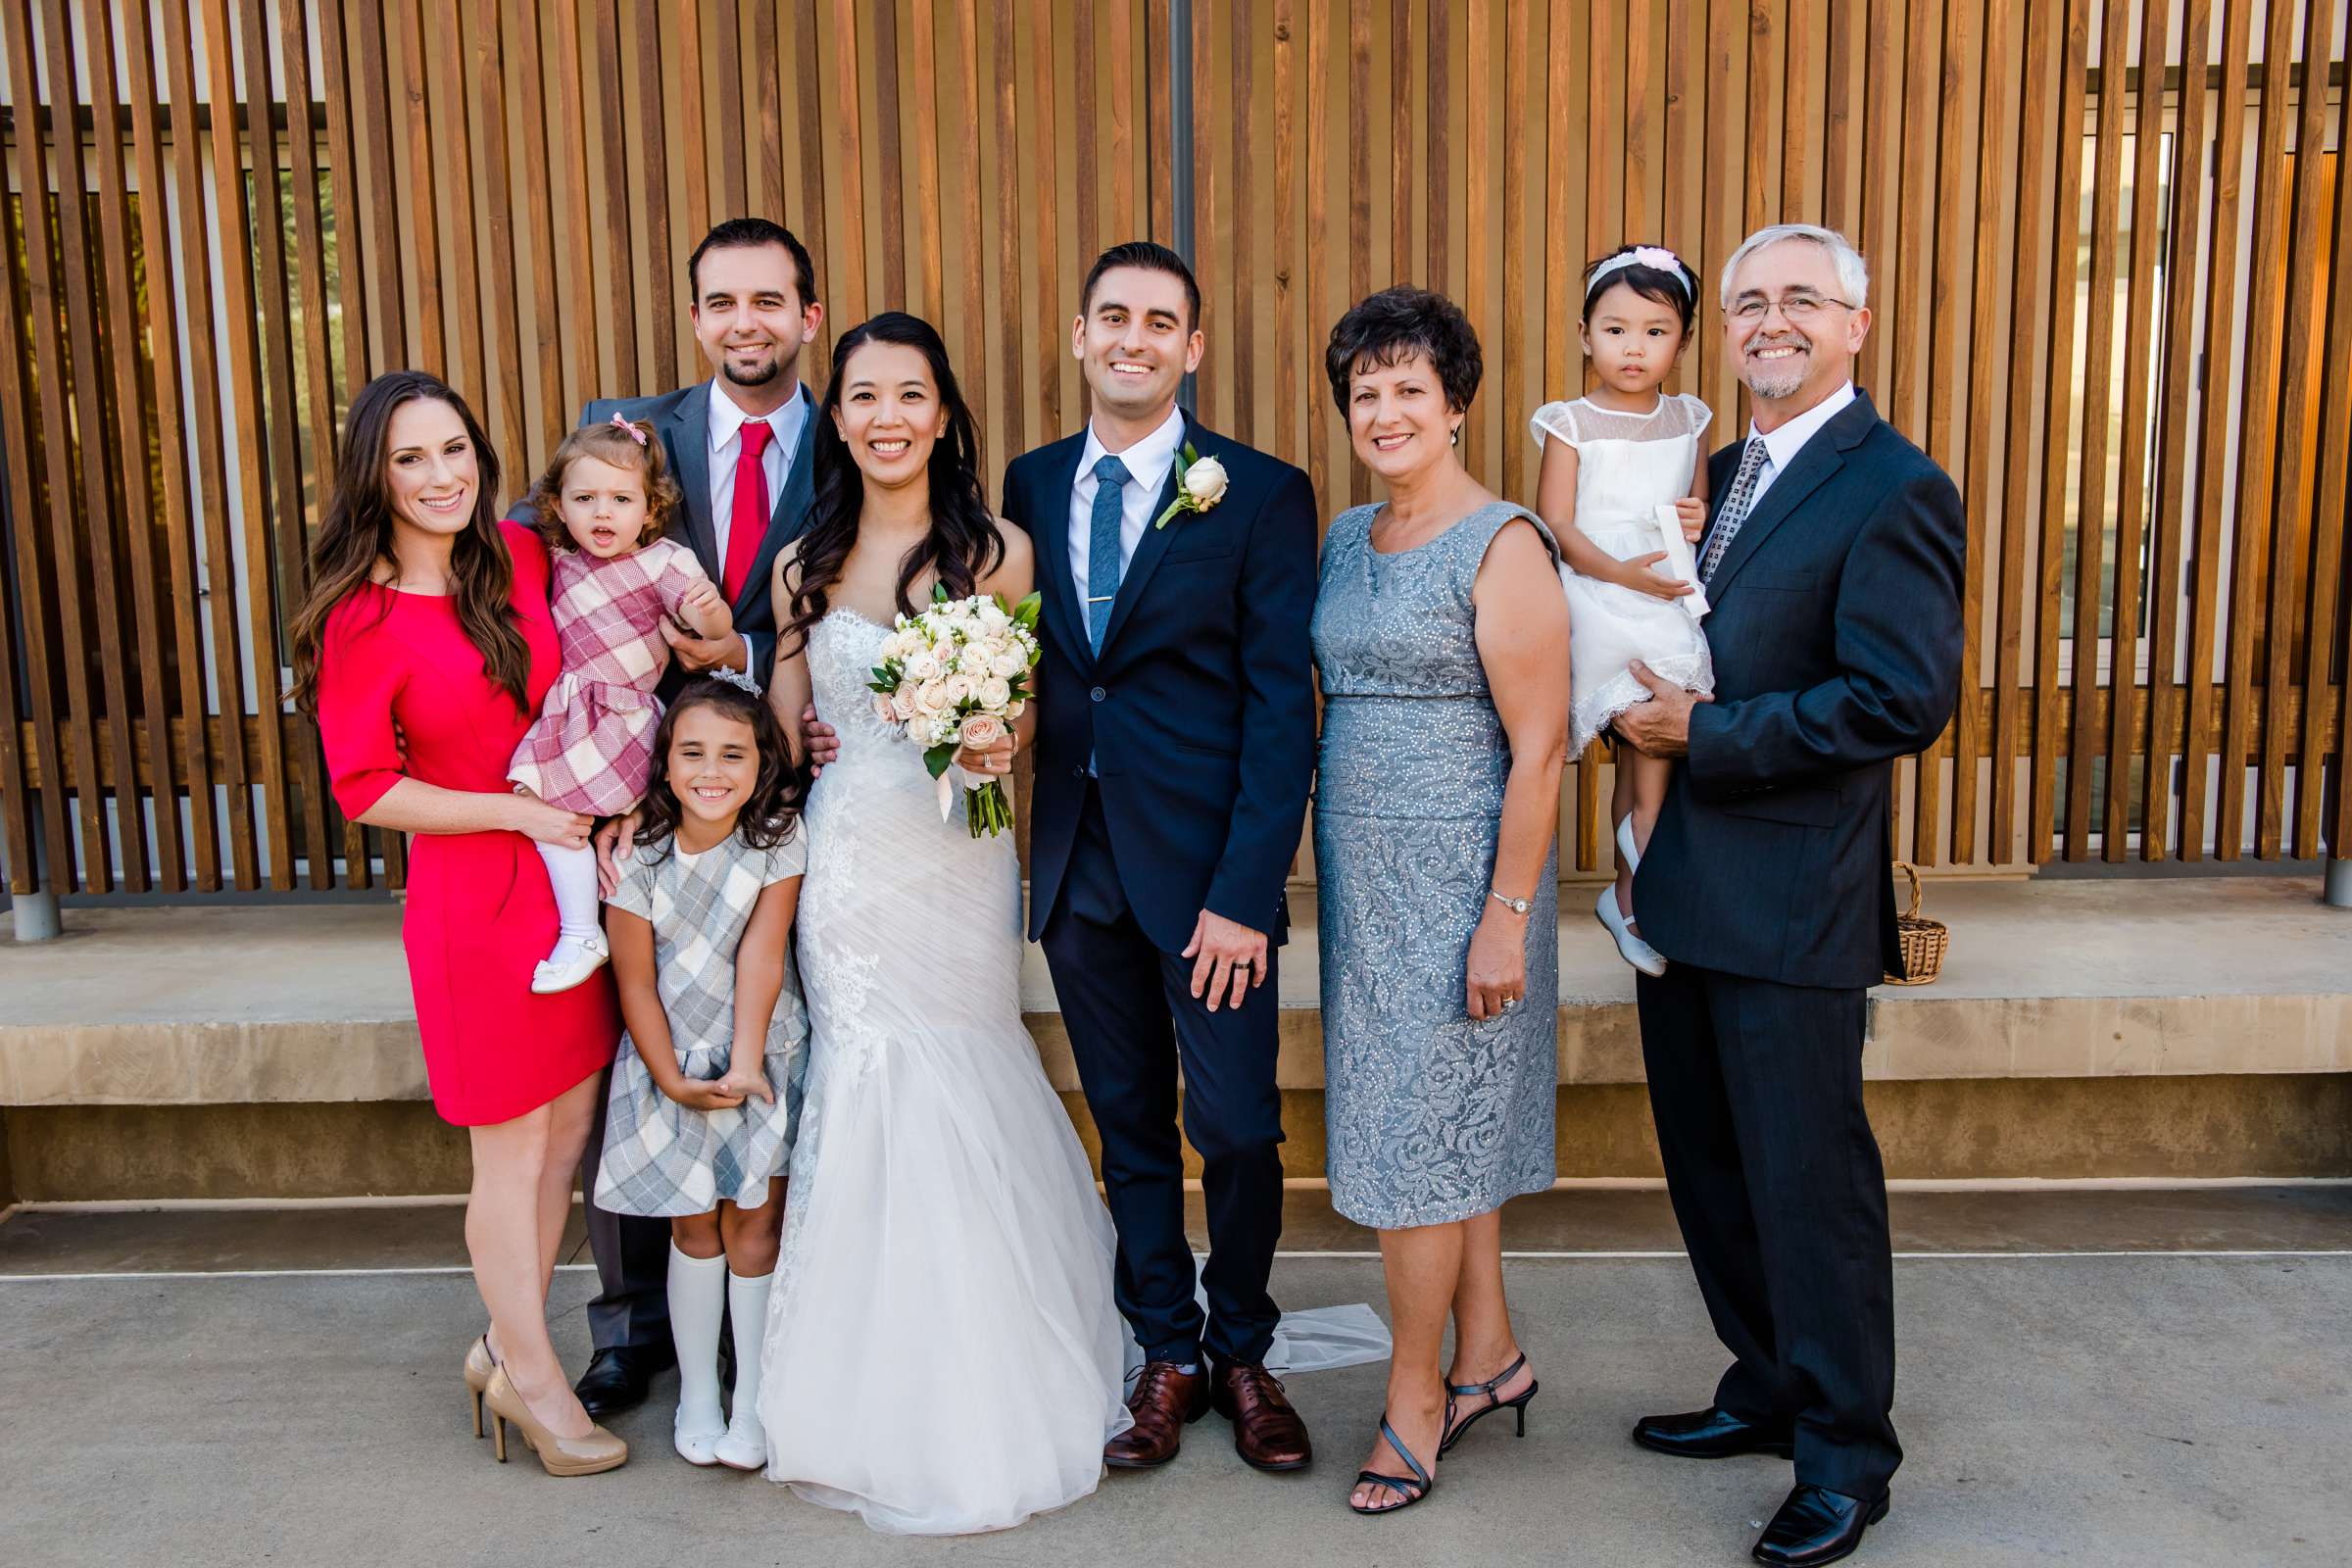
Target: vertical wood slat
2068	46
694	137
930	263
1286	276
171	423
1725	218
502	323
1240	148
652	197
2128	701
1359	190
2091	510
1842	124
2166	694
882	24
2037	146
1009	241
1439	169
619	299
1161	144
1318	251
2257	454
280	524
768	60
1208	87
1635	207
240	332
2213	428
75	386
212	472
1882	87
2327	551
1046	272
129	460
1478	142
2289	549
1401	53
1515	390
316	367
1944	391
382	219
1798	133
539	207
581	348
2002	41
1125	222
29	602
975	324
416	219
734	181
446	74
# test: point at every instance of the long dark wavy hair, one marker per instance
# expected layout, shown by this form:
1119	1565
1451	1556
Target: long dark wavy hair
767	817
964	544
357	533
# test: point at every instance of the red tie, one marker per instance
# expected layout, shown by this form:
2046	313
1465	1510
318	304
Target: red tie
747	523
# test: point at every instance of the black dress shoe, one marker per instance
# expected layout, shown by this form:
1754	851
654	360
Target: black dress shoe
1816	1526
618	1377
1711	1434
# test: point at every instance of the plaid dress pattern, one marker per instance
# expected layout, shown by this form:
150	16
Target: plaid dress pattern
660	1157
592	746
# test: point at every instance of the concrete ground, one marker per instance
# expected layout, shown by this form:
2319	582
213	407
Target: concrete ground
2112	1377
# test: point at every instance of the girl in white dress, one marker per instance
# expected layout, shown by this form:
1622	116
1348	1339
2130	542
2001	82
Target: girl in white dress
1624	492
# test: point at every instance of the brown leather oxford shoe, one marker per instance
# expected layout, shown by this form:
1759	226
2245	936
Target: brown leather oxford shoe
1267	1432
1165	1400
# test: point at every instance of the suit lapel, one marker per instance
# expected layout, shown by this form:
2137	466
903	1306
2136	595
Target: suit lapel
1049	533
1815	462
1154	543
687	430
789	514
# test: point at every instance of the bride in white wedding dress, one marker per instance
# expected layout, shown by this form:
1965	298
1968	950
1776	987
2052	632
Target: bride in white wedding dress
941	1352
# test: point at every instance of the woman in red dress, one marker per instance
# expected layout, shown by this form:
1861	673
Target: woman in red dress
424	649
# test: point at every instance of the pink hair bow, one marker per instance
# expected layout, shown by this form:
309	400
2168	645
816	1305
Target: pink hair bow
630	425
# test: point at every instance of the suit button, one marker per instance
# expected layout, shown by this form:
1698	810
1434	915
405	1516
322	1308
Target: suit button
1098	693
1078	772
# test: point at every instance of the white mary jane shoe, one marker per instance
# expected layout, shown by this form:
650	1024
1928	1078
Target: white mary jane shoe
743	1447
1630	947
551	977
1628	855
698	1448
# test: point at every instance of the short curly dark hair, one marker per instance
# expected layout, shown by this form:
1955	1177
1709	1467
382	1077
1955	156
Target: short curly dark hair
1396	324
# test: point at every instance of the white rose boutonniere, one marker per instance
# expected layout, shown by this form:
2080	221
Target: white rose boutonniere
1200	484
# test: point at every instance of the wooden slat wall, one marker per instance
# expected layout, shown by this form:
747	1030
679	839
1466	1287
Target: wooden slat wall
508	194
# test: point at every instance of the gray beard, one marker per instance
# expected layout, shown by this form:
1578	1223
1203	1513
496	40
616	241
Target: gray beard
1772	386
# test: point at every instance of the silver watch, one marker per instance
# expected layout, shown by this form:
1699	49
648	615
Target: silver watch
1518	906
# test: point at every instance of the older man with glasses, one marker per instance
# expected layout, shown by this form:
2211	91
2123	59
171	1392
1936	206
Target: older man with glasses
1833	562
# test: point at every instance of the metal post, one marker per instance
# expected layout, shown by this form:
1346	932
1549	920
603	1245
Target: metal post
36	915
2339	881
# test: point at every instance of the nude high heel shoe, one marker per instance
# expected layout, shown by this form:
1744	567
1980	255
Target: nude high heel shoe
600	1450
479	1365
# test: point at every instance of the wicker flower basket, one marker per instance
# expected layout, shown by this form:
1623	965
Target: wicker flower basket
1923	940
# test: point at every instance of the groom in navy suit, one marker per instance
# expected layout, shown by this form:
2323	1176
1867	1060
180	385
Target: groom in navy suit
1175	746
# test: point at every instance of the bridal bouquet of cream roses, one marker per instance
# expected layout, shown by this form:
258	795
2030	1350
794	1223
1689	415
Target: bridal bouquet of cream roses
958	676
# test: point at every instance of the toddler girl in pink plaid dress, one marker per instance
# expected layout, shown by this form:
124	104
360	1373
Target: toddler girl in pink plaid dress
602	506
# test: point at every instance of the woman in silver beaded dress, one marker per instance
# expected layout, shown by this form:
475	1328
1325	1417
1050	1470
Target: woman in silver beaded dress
1442	639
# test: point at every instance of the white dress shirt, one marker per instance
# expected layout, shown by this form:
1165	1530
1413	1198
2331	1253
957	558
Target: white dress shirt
1782	446
1148	463
727	420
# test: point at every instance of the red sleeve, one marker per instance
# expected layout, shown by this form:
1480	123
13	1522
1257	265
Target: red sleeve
360	673
529	554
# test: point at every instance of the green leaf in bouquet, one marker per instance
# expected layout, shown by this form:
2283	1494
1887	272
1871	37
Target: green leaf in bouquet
937	758
1025	612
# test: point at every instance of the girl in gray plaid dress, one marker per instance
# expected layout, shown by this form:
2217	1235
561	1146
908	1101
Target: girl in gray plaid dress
706	1093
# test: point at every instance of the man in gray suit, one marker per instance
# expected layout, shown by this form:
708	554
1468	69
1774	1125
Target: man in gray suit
738	444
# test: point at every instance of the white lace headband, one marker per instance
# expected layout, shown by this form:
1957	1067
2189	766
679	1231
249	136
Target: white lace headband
740	679
1656	257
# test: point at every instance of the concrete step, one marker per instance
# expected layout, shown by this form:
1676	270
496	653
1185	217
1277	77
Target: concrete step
2167	1028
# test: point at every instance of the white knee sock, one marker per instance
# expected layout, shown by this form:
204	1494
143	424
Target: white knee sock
697	1300
745	1445
572	874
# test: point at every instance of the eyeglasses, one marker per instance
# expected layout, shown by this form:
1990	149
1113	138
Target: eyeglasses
1796	307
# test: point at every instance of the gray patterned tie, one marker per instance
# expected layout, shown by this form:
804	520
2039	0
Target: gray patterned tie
1736	506
1103	564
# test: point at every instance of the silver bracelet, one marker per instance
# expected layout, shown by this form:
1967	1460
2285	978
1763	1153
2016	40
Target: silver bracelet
1518	906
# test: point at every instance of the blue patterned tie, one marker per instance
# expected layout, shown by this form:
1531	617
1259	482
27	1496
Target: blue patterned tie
1736	506
1103	564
